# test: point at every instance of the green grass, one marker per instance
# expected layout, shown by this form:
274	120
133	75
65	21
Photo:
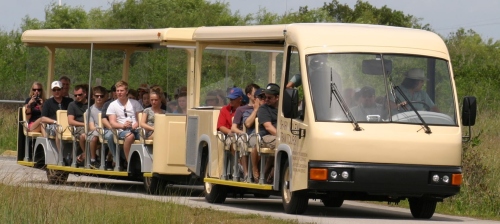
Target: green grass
23	204
8	127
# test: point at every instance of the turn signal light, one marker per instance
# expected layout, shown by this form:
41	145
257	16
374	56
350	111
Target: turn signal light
456	179
318	174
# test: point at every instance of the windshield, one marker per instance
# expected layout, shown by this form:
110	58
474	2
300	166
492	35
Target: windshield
372	86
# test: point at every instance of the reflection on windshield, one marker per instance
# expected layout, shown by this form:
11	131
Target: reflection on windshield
367	81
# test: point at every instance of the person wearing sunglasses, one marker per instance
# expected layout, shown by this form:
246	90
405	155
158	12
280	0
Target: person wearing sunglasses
122	114
33	106
50	107
99	96
76	109
268	119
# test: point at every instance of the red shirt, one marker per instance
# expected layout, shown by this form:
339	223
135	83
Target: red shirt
226	117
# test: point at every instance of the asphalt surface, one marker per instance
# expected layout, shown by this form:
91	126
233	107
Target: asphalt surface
350	212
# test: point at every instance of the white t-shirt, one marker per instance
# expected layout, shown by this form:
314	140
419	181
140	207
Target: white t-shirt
125	112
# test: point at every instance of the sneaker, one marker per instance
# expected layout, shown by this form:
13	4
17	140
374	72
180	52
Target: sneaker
109	165
95	165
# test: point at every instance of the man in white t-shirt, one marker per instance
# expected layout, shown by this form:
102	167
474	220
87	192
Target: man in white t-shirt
122	115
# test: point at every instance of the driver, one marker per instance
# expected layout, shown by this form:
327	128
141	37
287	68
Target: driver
412	88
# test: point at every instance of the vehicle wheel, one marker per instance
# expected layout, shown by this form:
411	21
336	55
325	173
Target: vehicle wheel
333	202
57	176
293	202
214	193
155	185
422	209
257	195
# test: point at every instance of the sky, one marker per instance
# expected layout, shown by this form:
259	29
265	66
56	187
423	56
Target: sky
444	16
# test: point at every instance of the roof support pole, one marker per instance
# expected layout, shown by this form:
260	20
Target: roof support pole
126	64
192	94
271	72
50	71
194	82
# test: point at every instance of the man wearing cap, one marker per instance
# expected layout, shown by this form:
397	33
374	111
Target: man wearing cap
412	88
268	119
367	105
50	107
75	116
227	112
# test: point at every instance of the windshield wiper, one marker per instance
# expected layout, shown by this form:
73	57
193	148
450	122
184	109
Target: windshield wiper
426	127
343	105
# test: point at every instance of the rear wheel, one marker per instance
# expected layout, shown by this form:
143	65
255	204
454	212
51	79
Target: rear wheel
333	202
293	202
422	209
214	193
155	185
57	176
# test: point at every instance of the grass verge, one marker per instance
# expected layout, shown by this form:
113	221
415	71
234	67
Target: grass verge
41	205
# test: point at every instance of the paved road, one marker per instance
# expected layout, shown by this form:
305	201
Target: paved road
350	212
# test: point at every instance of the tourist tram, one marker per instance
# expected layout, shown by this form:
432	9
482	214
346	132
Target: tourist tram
355	129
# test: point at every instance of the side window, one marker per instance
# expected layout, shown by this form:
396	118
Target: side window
293	75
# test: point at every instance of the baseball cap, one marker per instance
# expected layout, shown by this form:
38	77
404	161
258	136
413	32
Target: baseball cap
273	89
415	73
56	84
235	93
258	92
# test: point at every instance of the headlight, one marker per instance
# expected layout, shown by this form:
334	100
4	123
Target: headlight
333	174
446	179
345	174
435	178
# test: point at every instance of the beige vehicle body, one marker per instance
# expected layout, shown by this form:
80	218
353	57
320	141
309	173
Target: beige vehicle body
387	157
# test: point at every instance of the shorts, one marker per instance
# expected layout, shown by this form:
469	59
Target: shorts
124	133
50	129
93	134
79	131
268	141
30	124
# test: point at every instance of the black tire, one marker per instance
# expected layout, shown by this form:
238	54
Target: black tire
155	185
422	209
333	202
214	193
293	202
56	176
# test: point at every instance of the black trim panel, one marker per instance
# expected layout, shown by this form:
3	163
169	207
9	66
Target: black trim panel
392	180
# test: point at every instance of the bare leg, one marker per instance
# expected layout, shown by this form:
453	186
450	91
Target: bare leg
255	164
82	145
127	144
244	163
93	147
37	126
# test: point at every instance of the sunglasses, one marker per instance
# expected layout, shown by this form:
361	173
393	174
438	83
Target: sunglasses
34	90
98	96
125	112
262	97
78	95
56	90
269	97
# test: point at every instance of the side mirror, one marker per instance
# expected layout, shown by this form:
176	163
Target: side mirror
469	108
291	103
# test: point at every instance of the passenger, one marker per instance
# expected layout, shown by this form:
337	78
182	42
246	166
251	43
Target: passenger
221	97
249	122
367	105
49	109
181	104
268	119
412	88
143	88
159	90
122	114
227	112
132	94
66	84
172	106
100	97
33	106
145	100
75	118
317	63
148	115
108	134
212	99
237	126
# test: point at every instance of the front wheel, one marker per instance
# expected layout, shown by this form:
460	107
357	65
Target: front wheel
422	209
214	193
57	176
293	202
155	185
